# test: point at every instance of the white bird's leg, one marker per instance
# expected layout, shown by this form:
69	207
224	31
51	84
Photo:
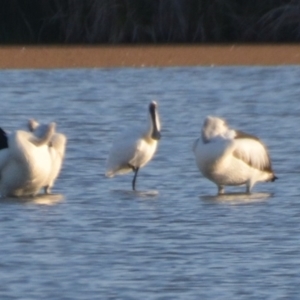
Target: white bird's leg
248	189
47	189
134	177
221	189
249	185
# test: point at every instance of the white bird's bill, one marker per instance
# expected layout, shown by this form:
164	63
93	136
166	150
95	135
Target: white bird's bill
230	157
135	147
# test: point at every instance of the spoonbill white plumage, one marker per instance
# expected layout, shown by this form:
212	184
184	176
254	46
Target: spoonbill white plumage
135	147
25	162
57	147
231	157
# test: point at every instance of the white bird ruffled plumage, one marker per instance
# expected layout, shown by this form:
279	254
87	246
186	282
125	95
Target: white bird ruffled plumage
25	164
30	161
231	157
57	148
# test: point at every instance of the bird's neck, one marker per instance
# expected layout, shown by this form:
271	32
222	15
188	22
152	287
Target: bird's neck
153	127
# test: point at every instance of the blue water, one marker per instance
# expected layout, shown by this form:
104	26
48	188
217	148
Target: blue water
174	238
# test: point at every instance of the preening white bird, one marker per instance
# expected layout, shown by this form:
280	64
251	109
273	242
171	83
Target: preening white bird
135	147
231	157
57	148
25	162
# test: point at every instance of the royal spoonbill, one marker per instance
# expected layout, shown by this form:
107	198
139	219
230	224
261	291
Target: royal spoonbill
135	147
25	163
231	157
57	148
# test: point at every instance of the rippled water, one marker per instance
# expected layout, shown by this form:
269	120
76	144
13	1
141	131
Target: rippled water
173	238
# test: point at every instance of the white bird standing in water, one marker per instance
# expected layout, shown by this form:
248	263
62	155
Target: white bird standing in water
25	162
231	157
57	147
135	147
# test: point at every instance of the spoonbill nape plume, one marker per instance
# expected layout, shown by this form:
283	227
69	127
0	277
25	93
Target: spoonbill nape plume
231	157
135	147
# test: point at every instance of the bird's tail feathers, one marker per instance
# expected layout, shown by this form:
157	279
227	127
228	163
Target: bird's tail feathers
109	174
274	178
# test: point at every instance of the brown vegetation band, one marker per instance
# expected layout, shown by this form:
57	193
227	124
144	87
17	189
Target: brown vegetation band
147	56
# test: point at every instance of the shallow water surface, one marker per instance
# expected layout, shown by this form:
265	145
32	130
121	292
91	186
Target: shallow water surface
173	238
